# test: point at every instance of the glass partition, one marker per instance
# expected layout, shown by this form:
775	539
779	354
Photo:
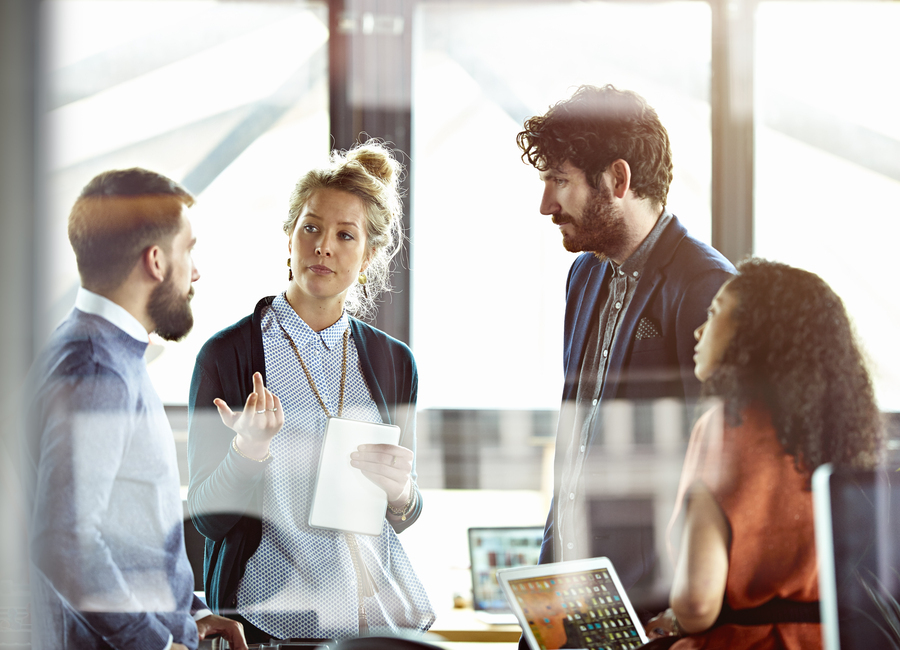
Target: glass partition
231	98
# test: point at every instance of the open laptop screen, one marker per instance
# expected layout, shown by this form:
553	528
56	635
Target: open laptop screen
491	549
574	605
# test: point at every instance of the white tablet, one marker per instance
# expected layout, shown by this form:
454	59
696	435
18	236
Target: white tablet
577	604
343	498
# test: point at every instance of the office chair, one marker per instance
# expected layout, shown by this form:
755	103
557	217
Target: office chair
857	518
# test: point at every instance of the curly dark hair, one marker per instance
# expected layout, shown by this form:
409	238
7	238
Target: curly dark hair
596	127
794	350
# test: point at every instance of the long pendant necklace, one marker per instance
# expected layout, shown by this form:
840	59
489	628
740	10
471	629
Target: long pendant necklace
309	377
365	584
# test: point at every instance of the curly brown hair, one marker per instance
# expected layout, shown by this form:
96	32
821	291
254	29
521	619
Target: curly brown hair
794	350
596	127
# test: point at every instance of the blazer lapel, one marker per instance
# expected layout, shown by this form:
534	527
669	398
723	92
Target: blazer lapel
621	346
653	275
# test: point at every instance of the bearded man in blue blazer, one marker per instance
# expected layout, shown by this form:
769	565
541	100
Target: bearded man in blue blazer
633	298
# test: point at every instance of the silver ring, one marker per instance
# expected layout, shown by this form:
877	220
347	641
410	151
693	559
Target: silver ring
261	412
274	409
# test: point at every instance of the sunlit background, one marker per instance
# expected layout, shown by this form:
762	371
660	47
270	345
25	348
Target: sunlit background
232	100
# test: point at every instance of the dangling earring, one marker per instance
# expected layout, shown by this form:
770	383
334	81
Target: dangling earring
362	279
290	270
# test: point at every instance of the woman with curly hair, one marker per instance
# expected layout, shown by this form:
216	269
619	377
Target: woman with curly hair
275	377
778	350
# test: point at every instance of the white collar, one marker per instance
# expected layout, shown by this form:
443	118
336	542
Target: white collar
92	303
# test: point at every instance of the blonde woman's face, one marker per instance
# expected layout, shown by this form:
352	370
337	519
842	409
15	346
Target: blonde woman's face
714	336
328	247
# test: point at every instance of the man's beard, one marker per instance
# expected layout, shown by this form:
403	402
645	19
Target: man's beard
170	312
600	230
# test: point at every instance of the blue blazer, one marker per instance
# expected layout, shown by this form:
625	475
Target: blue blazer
679	281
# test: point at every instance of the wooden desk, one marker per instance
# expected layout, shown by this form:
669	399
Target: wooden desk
461	625
453	629
474	645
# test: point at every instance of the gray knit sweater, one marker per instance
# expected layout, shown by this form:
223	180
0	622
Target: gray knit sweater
106	532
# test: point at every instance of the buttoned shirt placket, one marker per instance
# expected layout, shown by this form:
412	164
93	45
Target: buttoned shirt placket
572	520
322	353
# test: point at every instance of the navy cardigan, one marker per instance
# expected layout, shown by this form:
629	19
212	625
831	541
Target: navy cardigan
226	490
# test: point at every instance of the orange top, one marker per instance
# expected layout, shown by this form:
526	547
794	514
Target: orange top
768	506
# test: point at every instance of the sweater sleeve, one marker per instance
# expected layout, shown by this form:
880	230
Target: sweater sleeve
222	483
406	419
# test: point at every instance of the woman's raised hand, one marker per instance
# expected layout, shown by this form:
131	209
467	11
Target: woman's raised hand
258	423
389	467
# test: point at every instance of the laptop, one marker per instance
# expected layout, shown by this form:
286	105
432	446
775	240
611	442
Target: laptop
857	515
576	604
494	548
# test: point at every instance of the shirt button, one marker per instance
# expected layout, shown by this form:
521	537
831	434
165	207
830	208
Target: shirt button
594	403
635	274
621	272
605	353
618	305
570	546
582	446
571	496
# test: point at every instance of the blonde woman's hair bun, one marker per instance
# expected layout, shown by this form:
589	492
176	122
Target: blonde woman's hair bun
375	157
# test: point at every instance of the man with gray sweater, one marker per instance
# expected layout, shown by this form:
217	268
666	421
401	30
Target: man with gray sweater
106	535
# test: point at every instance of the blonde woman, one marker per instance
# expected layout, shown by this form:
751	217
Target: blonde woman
274	377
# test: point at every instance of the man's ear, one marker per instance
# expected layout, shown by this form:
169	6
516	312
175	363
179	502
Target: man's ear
153	261
620	175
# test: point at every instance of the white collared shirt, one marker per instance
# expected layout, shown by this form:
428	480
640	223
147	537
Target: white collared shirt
92	303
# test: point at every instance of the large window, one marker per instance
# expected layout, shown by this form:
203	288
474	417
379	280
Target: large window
828	160
229	98
488	269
